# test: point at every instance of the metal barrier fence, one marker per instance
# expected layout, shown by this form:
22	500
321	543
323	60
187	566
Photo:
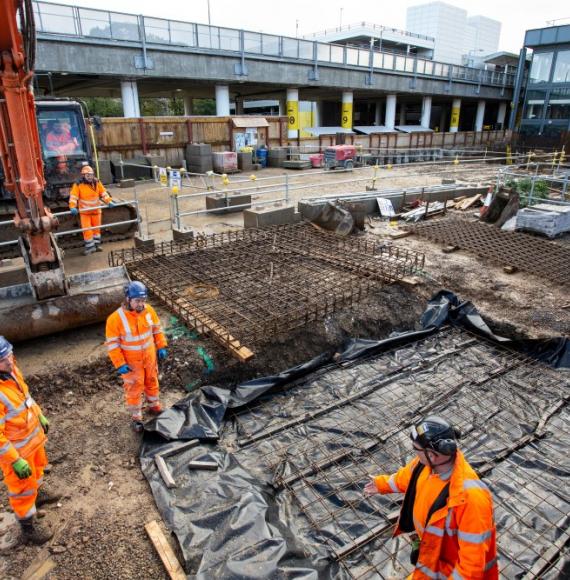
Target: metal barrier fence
67	20
133	203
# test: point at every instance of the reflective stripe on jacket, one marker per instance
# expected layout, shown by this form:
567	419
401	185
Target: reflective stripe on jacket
459	541
20	428
88	196
132	336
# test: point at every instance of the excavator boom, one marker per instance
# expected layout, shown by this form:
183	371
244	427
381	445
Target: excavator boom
49	302
20	150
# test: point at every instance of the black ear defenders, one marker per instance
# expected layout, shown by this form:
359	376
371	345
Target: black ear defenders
445	446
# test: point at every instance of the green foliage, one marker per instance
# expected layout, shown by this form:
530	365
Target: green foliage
104	106
524	186
204	107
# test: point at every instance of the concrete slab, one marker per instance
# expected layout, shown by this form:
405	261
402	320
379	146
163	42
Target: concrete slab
144	244
268	216
216	201
183	234
296	164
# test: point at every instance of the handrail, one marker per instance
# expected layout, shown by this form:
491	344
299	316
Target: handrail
74	21
364	24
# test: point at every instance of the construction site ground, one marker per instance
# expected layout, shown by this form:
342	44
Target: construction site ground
99	522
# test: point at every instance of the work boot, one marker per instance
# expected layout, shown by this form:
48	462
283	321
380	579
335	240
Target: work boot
88	251
33	532
137	426
155	409
45	496
98	248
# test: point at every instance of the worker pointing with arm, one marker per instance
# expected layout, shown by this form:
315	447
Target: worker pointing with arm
23	430
85	199
135	340
446	505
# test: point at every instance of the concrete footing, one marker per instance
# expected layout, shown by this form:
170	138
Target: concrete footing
225	203
182	235
144	244
270	216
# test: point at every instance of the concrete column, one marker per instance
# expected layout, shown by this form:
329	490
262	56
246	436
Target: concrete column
402	114
292	113
346	114
222	100
426	112
239	106
282	107
188	105
317	119
390	115
501	113
455	111
480	116
378	114
130	98
443	119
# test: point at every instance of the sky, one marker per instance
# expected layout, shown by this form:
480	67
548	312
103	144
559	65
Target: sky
287	17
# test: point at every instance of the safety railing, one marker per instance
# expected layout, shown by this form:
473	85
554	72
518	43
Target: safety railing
134	203
59	19
376	27
286	188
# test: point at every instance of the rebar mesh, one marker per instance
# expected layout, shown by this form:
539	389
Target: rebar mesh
514	416
264	281
525	252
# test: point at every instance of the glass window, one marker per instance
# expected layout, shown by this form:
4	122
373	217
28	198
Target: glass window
95	23
60	133
55	18
124	27
182	33
534	104
562	67
558	104
540	69
156	30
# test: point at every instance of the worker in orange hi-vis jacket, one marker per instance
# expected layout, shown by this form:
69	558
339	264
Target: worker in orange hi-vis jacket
23	429
135	340
86	197
447	508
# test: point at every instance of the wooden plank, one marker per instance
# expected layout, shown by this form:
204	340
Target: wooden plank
39	569
398	235
165	551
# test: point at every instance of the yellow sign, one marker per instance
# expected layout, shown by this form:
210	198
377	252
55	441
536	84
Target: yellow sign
163	176
293	115
346	116
454	117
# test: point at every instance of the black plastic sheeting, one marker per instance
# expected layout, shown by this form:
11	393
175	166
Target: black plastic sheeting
232	523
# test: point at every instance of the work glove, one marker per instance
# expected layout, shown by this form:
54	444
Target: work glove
74	211
162	353
22	468
123	370
111	204
45	423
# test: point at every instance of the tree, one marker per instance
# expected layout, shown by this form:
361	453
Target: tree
104	106
204	107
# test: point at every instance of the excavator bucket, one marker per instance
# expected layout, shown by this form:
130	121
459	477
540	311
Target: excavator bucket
92	296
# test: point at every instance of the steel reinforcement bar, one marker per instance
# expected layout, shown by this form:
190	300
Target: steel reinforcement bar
242	288
525	252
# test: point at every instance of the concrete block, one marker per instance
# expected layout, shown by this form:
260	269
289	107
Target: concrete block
245	161
198	149
151	160
224	161
199	164
144	244
216	201
130	171
268	216
125	183
182	235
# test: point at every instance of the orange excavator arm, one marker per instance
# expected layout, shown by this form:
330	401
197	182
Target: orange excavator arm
20	150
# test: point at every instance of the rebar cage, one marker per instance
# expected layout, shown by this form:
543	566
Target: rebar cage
324	438
244	287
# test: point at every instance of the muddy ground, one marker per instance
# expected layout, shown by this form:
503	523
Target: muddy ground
106	501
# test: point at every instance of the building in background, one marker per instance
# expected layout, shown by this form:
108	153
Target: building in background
459	38
546	103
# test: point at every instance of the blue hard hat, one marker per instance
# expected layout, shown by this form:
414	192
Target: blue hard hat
5	347
135	290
